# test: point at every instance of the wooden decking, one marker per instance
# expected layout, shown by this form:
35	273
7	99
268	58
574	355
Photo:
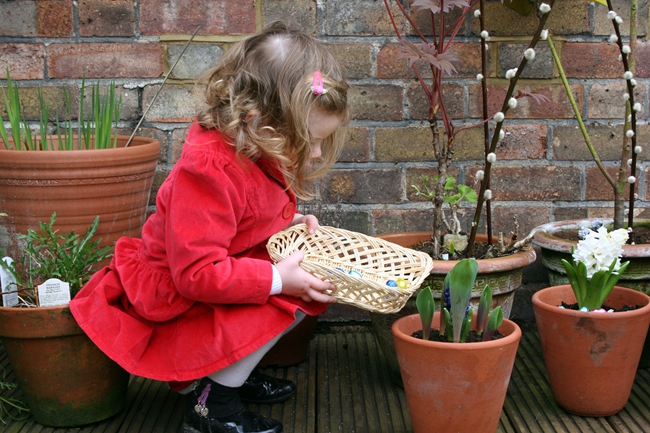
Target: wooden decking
344	387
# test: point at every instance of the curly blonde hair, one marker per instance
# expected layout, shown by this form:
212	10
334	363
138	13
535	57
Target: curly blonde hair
271	73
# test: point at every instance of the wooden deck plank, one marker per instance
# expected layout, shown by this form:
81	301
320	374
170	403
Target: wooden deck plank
344	386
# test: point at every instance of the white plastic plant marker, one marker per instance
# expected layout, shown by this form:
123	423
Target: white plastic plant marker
8	285
53	292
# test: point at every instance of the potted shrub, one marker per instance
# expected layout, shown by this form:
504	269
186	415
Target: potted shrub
456	379
64	378
592	331
501	260
78	172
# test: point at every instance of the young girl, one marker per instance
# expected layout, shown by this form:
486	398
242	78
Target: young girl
196	301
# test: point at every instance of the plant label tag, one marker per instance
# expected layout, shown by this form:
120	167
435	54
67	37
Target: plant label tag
54	292
8	285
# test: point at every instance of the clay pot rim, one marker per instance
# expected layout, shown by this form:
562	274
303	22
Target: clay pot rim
512	337
544	237
539	303
516	260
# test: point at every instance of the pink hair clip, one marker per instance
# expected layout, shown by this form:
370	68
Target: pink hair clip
317	84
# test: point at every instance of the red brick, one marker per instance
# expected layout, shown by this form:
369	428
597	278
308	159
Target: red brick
422	19
26	61
370	186
302	13
523	141
178	142
54	19
558	107
415	176
383	102
606	99
54	96
642	69
531	183
591	60
106	18
357	145
567	17
528	217
18	18
114	60
175	103
453	96
569	144
403	144
393	221
354	59
597	186
216	17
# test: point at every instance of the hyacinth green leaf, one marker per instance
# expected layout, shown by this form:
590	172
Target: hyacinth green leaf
426	306
484	305
593	297
460	281
572	275
524	7
445	324
494	321
467	326
611	281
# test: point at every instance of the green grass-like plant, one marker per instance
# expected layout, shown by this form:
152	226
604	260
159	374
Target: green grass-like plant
93	132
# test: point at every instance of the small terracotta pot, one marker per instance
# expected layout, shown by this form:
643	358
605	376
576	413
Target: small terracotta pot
65	379
454	387
503	275
591	358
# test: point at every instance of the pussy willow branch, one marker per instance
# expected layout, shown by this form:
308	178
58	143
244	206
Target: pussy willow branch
486	126
497	130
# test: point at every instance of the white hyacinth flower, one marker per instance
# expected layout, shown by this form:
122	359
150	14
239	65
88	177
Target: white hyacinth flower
510	73
499	117
626	49
479	77
477	13
613	39
544	34
485	34
628	75
512	103
629	133
480	175
544	8
638	149
600	249
611	15
487	195
631	179
491	158
619	20
529	54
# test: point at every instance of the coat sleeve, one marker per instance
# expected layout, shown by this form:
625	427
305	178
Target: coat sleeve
205	207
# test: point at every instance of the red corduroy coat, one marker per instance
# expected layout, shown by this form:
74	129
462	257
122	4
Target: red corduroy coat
192	295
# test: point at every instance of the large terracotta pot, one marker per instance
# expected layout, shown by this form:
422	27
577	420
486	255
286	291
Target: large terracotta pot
591	358
64	378
78	185
454	387
554	249
502	274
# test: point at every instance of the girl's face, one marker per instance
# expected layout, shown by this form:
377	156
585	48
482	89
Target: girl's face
320	125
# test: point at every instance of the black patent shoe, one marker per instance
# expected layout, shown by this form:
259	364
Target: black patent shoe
263	389
203	415
243	421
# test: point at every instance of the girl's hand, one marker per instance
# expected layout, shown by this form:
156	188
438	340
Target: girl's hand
301	284
310	220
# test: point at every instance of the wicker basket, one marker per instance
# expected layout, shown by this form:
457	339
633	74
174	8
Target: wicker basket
331	254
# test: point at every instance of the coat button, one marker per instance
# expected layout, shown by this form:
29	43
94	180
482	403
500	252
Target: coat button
288	210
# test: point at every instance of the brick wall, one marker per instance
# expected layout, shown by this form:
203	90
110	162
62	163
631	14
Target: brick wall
544	171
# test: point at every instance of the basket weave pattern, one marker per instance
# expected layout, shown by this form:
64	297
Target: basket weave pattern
330	254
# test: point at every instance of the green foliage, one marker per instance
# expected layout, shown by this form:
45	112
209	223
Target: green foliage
591	293
10	405
95	132
47	254
426	306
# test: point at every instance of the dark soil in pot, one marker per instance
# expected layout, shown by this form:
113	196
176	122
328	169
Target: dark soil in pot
472	336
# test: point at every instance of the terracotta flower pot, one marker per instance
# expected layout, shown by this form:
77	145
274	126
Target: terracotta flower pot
554	249
502	274
78	185
65	379
454	387
591	358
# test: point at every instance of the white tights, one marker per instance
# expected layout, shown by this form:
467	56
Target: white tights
236	374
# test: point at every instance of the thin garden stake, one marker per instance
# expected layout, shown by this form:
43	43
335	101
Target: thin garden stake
161	86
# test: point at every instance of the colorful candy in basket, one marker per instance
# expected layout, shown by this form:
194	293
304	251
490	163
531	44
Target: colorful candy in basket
368	272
